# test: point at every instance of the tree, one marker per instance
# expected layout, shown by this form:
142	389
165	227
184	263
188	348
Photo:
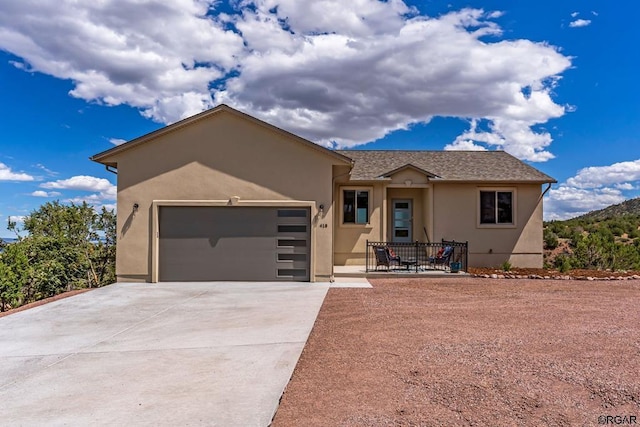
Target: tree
104	250
67	247
9	289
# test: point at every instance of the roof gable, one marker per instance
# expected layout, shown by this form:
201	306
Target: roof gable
408	166
107	157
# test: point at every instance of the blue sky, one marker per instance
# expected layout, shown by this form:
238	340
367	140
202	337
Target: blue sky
553	83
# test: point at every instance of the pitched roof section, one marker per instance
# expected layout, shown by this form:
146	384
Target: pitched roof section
104	156
462	166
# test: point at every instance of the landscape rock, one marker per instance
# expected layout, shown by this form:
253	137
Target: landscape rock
539	273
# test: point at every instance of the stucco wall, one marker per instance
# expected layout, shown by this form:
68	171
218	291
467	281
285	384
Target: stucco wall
351	239
218	158
447	211
456	218
409	174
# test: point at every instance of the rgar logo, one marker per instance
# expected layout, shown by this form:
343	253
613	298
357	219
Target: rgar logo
617	419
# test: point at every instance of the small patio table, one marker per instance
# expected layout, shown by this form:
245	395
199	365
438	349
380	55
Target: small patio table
408	263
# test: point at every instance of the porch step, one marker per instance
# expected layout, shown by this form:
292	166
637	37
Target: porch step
360	271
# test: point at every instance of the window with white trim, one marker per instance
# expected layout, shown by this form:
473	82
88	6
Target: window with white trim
355	205
496	207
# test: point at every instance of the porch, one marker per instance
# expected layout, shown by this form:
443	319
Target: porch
384	259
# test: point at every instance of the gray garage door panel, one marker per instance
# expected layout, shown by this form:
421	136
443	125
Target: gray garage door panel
233	243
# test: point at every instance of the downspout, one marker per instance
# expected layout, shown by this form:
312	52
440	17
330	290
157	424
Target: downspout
545	191
335	226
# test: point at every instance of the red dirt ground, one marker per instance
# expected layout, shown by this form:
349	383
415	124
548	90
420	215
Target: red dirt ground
467	351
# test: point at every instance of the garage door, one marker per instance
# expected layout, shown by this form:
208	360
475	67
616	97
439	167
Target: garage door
233	243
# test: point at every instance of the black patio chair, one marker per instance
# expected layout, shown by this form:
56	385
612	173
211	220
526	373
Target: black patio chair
442	258
384	257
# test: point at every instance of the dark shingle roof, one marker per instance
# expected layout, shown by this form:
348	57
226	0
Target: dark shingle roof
493	166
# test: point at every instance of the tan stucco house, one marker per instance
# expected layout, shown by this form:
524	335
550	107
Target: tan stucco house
225	196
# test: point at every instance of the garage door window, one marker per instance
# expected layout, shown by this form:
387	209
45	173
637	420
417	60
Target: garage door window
292	272
292	257
283	243
292	229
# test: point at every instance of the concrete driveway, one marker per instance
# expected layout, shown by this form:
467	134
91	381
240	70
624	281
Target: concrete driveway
215	354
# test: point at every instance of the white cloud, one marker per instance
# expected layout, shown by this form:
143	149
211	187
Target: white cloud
107	206
428	67
6	174
580	23
568	202
102	189
114	56
514	136
464	145
19	219
117	141
40	193
574	14
91	199
80	182
335	72
45	169
593	188
601	176
625	186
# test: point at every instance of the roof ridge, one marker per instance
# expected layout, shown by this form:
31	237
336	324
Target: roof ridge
102	156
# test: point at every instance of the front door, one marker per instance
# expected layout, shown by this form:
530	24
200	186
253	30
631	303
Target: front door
402	221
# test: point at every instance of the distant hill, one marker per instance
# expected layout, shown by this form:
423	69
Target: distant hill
607	239
628	207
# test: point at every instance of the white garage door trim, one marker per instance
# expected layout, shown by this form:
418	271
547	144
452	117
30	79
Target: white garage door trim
155	227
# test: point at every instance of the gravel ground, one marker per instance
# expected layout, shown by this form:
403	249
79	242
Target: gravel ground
443	352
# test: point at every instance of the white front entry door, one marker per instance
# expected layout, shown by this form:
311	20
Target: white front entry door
402	221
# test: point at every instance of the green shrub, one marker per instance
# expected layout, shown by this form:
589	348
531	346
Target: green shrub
550	239
565	232
562	263
617	230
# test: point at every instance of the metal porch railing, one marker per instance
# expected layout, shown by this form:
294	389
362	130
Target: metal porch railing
417	256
